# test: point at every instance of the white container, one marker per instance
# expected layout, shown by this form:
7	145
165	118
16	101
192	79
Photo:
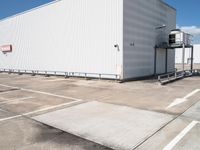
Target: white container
178	37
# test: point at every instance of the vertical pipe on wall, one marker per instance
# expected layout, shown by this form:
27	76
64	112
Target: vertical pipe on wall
166	60
155	60
192	57
183	57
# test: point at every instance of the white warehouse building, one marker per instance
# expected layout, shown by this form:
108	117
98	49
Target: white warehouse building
113	39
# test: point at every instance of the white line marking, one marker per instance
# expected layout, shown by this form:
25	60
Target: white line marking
5	92
180	135
1	93
40	110
75	100
192	93
9	118
8	86
2	98
176	102
52	107
19	99
182	100
24	98
50	94
45	93
53	80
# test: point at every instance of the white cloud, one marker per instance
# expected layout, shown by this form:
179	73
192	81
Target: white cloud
193	30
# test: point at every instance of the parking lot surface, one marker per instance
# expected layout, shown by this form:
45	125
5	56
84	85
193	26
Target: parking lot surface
24	97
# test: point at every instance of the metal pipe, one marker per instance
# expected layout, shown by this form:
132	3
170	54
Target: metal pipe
192	57
183	58
166	61
155	60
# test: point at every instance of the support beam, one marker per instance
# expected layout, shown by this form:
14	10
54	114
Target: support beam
155	60
183	58
192	58
166	61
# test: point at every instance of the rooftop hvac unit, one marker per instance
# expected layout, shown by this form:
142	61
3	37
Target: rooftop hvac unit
178	37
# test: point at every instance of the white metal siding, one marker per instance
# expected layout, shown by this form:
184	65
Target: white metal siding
161	60
197	54
141	17
188	54
171	24
171	60
68	36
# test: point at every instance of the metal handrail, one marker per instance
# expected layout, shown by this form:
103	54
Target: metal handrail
167	78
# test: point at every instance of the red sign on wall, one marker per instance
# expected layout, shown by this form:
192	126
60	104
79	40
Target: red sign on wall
6	48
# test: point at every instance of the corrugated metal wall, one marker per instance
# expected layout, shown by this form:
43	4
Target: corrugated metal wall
79	37
68	36
188	54
141	17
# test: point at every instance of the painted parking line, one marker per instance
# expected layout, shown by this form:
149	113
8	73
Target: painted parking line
18	99
5	99
75	100
9	91
192	93
180	135
5	92
9	86
45	93
54	80
53	107
182	100
9	118
41	110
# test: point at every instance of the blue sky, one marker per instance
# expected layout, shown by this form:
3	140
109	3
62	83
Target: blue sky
11	7
188	16
188	12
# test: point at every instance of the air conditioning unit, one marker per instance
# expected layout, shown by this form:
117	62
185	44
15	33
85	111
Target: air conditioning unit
178	38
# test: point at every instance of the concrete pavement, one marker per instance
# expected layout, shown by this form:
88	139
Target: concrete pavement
25	96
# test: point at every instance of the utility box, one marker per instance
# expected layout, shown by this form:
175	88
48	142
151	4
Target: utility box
178	37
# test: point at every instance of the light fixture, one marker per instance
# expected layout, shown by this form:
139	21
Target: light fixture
160	27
